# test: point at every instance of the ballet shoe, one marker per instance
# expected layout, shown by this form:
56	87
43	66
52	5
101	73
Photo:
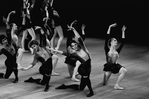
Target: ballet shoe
1	75
104	83
46	88
90	94
16	80
117	87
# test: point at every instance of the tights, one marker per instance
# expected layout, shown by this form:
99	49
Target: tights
45	70
11	65
85	80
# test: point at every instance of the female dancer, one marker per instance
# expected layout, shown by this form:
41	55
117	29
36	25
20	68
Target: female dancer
52	30
10	51
7	22
26	24
44	56
71	61
47	24
11	33
83	57
14	39
57	29
112	54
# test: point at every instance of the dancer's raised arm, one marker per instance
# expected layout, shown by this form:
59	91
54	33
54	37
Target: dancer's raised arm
123	31
6	20
109	29
108	36
123	37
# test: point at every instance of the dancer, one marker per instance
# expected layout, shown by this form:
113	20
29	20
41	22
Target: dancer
11	33
14	39
50	31
55	58
57	30
47	18
26	24
44	56
82	55
71	61
7	22
112	54
10	51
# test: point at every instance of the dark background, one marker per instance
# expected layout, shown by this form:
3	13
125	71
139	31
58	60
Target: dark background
97	15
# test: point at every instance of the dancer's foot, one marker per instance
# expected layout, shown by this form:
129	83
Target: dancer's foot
75	79
1	75
16	80
117	87
55	74
90	94
104	83
46	88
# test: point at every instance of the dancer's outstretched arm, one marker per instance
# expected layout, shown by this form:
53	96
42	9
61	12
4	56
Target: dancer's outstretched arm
109	29
32	64
6	20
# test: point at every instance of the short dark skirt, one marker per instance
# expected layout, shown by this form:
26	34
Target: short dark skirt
71	61
46	68
114	68
85	68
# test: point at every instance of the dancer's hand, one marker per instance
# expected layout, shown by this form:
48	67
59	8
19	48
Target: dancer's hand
53	51
55	13
13	12
109	29
83	27
113	25
24	69
4	19
49	48
57	52
46	18
74	22
70	27
56	48
27	68
123	31
124	28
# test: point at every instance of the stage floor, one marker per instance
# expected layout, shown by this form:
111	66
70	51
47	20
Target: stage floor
136	82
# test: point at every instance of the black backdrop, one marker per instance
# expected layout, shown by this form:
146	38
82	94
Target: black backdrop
97	15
